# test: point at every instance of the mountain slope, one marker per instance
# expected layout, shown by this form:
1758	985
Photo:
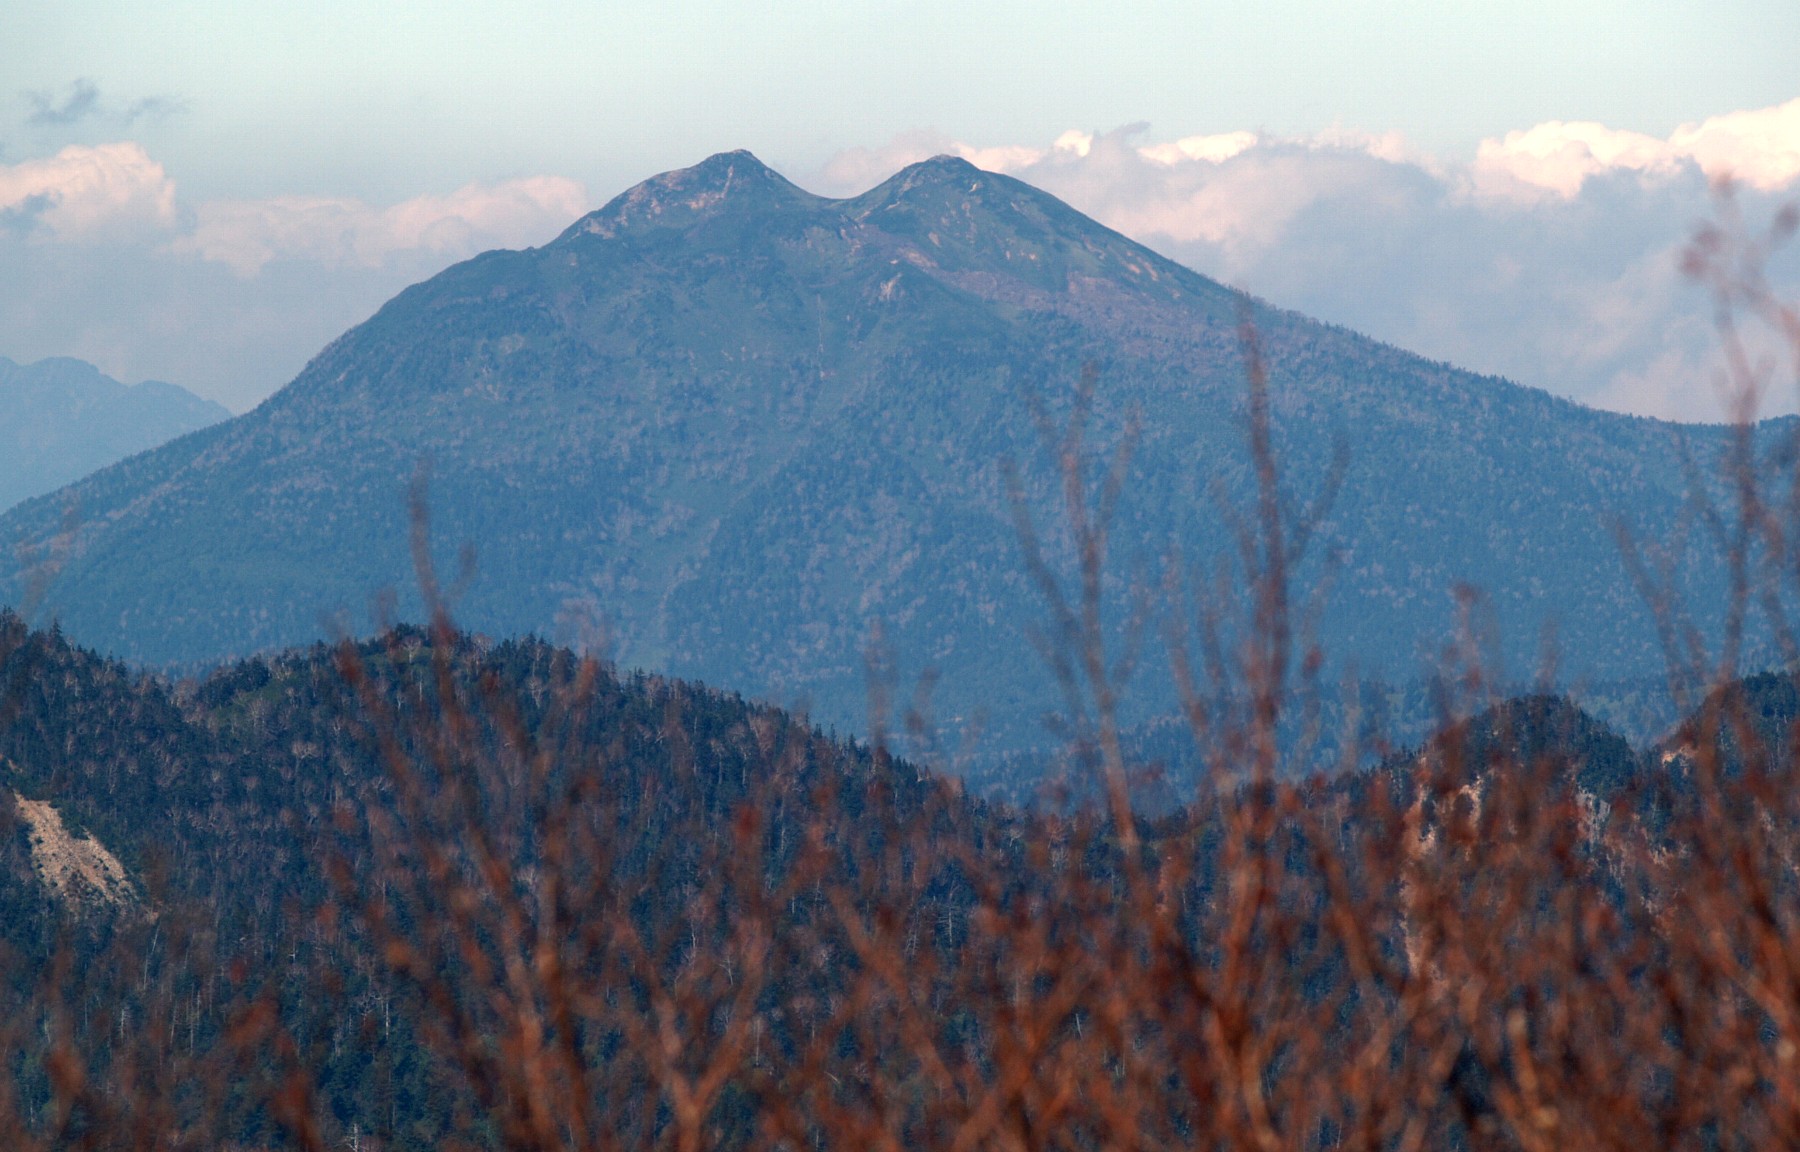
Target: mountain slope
743	424
61	419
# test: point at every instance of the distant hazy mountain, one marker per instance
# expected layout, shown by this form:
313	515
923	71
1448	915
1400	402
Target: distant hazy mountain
61	419
743	424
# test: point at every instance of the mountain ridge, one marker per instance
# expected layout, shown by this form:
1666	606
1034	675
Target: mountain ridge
62	418
743	423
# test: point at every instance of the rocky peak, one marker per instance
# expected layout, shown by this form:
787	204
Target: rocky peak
937	181
727	181
948	189
940	168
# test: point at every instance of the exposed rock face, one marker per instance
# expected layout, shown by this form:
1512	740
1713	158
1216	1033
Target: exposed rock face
77	870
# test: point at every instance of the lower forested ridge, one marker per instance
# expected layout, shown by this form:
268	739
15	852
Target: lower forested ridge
431	892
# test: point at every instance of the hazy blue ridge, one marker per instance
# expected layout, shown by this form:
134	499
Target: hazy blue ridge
743	425
61	419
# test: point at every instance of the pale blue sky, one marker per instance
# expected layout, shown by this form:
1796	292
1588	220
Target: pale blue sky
385	100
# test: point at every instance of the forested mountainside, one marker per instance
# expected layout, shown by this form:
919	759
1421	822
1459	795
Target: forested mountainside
225	804
61	419
745	426
297	935
222	790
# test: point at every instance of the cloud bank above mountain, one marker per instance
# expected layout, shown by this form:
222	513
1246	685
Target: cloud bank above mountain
88	193
1550	255
114	192
101	258
245	235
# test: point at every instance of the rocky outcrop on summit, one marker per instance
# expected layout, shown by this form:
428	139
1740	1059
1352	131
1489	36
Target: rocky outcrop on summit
730	181
745	425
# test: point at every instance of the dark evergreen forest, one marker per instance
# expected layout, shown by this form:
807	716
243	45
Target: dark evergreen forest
429	891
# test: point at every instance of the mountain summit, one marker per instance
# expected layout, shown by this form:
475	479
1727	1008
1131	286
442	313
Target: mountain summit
744	425
730	182
62	418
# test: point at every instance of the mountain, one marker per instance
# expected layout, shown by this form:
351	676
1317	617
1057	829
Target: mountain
219	789
744	425
368	858
151	830
61	419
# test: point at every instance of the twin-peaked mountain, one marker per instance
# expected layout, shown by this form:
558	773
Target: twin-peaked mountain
745	425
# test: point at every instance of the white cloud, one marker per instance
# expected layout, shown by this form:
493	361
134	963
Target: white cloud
245	235
1007	158
1075	142
116	192
1389	146
89	192
1212	149
101	258
1558	157
1760	148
